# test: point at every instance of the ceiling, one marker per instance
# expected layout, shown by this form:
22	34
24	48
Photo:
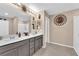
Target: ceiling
53	8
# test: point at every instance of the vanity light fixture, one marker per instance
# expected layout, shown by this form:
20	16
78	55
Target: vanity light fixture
33	18
39	16
26	8
22	6
17	4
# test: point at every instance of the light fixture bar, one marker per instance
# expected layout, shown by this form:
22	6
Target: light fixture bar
29	10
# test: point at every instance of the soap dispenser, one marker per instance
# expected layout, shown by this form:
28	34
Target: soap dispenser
19	34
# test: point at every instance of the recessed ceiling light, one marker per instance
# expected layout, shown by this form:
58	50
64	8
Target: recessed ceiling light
6	14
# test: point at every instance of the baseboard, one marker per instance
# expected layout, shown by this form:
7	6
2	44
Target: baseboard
76	51
61	44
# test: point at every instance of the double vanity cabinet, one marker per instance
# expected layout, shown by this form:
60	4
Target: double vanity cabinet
25	47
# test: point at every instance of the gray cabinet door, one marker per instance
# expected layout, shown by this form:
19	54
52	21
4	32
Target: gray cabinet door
38	42
32	43
36	45
12	52
31	46
41	40
23	50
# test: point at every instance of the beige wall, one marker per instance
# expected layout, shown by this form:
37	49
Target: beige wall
62	34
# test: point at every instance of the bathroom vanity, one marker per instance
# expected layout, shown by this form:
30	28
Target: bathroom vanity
24	46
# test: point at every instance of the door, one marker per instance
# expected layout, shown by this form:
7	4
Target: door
76	33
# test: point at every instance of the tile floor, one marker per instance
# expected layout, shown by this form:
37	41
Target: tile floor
55	50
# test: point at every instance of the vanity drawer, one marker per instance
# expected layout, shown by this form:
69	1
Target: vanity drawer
22	42
38	37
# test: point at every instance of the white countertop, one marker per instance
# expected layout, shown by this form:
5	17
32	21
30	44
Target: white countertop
7	40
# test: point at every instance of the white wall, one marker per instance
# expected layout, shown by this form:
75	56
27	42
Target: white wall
47	28
4	28
76	33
